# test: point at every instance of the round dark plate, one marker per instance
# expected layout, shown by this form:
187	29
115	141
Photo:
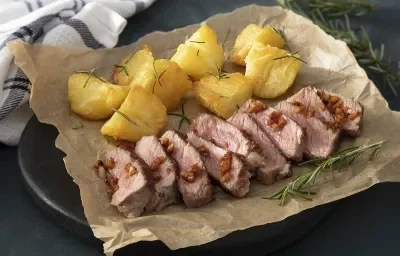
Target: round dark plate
52	188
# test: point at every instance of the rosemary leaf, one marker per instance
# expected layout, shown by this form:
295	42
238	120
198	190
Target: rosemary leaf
90	73
197	42
182	115
308	179
338	8
122	68
130	57
327	14
125	116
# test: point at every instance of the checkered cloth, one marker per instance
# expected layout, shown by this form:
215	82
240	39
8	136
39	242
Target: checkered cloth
76	23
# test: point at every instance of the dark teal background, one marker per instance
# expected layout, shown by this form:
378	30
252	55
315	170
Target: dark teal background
365	224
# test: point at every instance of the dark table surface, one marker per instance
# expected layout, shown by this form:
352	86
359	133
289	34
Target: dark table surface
364	224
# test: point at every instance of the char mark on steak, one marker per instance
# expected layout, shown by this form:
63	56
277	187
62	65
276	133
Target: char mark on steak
229	170
193	182
164	171
135	184
286	134
347	112
320	140
227	136
275	166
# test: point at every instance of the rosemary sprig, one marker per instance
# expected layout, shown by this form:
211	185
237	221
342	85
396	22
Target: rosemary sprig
370	58
301	185
130	57
221	74
291	55
90	73
337	8
182	115
122	68
197	53
156	76
126	117
197	42
280	32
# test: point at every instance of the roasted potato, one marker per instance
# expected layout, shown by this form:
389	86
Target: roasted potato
166	80
224	95
201	54
251	34
135	65
93	98
271	69
141	114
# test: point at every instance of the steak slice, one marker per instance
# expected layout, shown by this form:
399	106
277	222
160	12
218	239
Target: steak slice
320	140
228	169
286	134
227	136
347	113
276	167
135	187
164	171
193	182
309	99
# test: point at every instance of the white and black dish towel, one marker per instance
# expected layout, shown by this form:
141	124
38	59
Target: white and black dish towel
76	23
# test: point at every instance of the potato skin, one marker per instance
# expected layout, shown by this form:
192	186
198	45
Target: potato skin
223	97
145	109
271	78
251	34
136	64
97	99
201	54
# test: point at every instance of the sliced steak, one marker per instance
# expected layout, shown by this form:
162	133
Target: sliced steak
228	169
286	134
135	184
347	113
164	171
320	140
227	136
275	167
309	99
193	183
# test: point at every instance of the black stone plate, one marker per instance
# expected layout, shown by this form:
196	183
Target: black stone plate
52	188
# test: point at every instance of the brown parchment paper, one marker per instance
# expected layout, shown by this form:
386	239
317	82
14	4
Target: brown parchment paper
331	65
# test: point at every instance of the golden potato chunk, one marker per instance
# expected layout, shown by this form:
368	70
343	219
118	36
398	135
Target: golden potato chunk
251	34
141	114
225	95
166	80
201	54
93	98
271	69
136	64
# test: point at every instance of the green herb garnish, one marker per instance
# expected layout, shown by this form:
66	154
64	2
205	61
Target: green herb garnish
373	59
290	55
221	74
182	115
156	76
122	68
90	73
130	57
197	42
126	117
301	185
338	8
